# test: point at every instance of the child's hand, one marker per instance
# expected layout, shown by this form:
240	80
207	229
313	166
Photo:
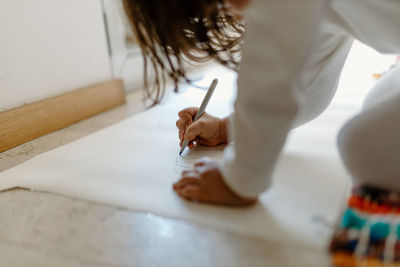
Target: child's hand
207	130
205	184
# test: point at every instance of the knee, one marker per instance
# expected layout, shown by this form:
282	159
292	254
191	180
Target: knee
387	87
355	145
350	144
369	156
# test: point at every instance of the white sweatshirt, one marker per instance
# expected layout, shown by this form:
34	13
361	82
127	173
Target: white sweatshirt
293	54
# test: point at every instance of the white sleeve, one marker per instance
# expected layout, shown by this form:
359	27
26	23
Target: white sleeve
277	39
376	23
316	87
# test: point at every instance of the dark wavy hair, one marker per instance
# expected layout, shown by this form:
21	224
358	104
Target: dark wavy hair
170	32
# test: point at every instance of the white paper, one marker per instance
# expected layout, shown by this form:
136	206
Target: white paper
133	165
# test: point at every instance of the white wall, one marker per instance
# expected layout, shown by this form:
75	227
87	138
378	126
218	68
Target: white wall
127	59
48	47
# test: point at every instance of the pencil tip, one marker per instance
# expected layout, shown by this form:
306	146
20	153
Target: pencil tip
180	153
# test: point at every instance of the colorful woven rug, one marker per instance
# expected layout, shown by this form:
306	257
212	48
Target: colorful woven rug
368	233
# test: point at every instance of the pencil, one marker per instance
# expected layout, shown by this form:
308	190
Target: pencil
202	108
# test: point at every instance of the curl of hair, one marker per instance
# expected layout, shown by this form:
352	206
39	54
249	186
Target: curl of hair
170	32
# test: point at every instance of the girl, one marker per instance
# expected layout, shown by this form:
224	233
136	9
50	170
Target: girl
291	59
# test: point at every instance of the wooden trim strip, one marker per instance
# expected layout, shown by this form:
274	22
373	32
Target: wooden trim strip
25	123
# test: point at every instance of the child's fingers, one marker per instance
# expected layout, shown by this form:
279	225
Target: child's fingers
190	192
181	134
191	111
186	181
180	124
191	145
194	130
188	114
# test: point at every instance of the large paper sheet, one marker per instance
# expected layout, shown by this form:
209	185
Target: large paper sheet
134	163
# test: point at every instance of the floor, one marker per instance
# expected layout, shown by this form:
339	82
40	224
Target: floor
41	229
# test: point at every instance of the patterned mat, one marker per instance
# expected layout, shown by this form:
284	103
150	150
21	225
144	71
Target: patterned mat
368	233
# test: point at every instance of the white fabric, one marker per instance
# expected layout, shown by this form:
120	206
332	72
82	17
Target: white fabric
370	142
289	74
134	163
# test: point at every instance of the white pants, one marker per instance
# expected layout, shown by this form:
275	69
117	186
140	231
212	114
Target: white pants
370	142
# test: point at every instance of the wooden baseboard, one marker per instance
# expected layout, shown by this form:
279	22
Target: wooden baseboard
22	124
